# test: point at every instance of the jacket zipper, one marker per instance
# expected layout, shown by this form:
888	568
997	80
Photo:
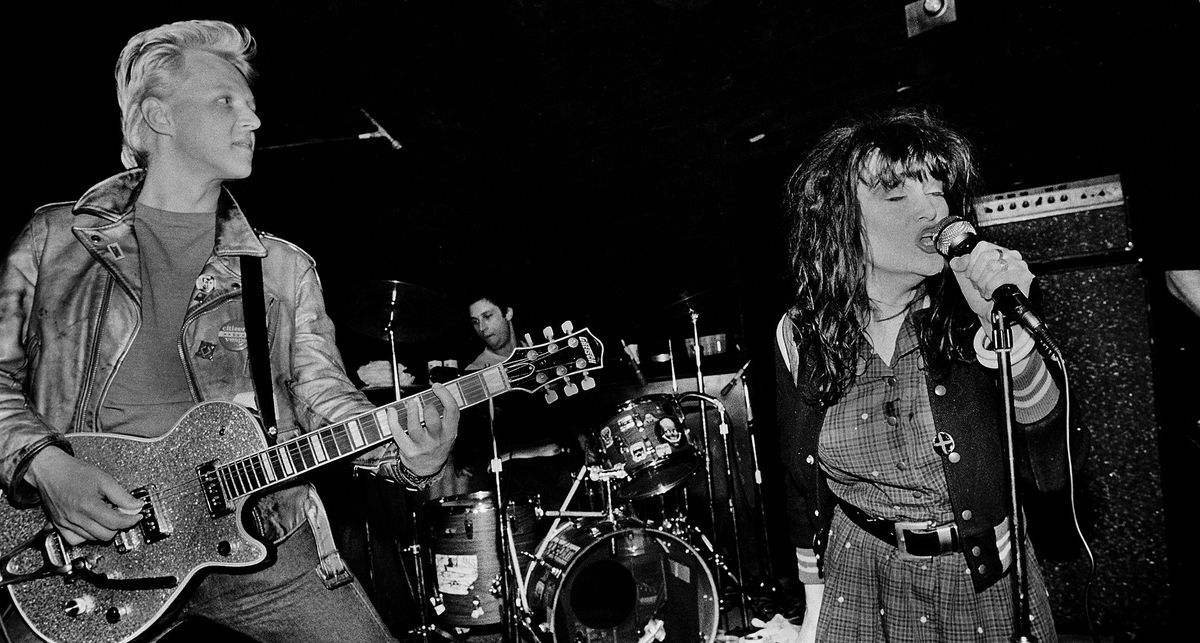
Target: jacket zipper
90	371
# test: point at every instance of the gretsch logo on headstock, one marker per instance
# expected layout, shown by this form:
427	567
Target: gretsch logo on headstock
587	350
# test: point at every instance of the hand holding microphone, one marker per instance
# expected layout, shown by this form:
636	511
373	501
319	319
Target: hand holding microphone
991	275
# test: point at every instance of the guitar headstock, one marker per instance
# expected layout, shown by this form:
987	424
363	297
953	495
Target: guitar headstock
563	363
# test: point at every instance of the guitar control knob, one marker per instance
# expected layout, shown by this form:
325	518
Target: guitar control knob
113	614
224	548
79	605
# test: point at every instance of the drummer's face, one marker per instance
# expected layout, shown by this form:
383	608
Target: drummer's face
491	324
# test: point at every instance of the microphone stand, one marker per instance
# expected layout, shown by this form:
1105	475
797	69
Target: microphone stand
1002	345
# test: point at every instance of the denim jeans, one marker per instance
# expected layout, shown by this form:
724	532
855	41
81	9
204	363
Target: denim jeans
283	603
287	602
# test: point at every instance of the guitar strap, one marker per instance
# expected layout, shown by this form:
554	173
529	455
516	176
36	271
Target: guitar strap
332	570
253	299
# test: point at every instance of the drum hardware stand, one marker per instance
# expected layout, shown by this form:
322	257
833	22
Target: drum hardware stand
508	608
730	495
414	549
708	480
675	391
426	628
769	585
598	474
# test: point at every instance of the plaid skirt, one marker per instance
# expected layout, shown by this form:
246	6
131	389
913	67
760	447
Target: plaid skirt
873	594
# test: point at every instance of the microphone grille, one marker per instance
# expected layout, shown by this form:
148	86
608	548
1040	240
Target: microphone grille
955	231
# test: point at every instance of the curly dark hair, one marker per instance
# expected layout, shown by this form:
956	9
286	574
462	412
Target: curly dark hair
827	243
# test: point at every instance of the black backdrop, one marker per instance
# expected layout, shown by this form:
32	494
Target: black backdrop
598	158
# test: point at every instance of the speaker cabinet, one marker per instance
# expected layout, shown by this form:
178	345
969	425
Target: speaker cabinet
1100	316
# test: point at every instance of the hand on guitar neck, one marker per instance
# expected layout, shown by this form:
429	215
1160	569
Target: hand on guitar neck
427	441
83	502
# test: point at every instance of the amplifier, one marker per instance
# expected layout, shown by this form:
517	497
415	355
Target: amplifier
1065	221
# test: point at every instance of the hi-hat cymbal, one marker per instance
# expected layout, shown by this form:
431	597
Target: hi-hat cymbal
406	312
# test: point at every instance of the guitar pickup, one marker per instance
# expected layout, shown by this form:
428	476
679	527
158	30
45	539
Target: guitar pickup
214	496
154	526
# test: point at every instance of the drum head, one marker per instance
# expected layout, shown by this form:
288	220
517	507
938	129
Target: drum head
592	585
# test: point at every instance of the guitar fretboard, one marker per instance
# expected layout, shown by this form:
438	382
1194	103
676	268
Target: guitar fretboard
359	434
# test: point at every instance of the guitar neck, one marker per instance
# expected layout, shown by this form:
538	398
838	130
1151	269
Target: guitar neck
287	460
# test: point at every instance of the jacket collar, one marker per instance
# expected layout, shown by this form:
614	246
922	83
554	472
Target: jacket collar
113	199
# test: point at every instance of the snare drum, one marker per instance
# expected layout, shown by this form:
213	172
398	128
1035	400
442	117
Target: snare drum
647	437
602	580
466	566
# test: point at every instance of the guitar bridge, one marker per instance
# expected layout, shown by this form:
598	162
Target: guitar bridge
213	495
154	525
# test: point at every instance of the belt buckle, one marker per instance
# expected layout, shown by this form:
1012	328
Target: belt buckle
924	527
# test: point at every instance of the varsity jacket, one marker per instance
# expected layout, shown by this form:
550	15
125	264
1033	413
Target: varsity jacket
966	404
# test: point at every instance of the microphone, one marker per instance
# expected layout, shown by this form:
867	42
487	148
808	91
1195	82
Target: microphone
958	238
733	381
634	362
379	131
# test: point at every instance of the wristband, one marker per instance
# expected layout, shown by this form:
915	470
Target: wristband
1022	346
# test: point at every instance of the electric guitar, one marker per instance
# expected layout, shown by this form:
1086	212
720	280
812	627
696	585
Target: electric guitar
196	480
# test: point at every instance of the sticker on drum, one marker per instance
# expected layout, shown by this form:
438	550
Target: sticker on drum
456	573
605	580
650	441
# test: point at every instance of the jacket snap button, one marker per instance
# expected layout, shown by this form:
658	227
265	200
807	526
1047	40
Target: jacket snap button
939	390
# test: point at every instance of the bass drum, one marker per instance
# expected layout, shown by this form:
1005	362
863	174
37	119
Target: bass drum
599	580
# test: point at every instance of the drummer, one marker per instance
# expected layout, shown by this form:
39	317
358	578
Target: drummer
539	456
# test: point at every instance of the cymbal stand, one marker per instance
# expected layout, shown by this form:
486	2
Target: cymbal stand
758	482
508	574
729	490
422	599
708	479
683	492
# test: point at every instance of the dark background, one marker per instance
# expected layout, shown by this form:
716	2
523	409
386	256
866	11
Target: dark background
595	158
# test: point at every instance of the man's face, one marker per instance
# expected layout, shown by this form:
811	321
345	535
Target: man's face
212	120
491	324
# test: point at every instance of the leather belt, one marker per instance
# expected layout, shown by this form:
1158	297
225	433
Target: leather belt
912	538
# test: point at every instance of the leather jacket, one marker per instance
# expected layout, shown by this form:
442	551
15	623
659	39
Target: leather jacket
70	293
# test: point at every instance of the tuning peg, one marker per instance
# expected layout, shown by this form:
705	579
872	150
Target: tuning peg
569	388
587	383
548	332
528	339
551	396
568	327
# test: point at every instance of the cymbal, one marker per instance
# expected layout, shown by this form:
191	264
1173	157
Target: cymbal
407	312
714	308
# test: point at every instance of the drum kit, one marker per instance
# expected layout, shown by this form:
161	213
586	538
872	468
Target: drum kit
602	574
